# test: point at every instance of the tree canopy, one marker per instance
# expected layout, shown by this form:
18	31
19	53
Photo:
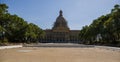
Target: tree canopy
15	29
104	30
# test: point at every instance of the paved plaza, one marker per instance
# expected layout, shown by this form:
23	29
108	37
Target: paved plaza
81	53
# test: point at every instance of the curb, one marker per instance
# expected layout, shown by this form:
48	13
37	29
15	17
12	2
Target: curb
7	47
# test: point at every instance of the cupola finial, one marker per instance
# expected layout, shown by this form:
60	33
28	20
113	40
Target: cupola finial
61	13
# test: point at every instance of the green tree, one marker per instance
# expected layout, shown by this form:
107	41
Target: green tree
107	27
16	29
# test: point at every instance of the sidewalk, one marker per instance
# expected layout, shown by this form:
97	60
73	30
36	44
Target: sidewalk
13	46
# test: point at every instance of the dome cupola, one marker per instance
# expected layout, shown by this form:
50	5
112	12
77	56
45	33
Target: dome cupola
60	21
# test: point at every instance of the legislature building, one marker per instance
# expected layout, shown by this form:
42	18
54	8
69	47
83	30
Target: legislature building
60	32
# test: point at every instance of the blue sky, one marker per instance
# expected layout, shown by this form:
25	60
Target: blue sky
43	13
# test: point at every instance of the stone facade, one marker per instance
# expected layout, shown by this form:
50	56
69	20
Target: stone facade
60	32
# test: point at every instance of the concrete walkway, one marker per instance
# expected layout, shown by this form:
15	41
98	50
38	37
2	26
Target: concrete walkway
66	45
13	46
